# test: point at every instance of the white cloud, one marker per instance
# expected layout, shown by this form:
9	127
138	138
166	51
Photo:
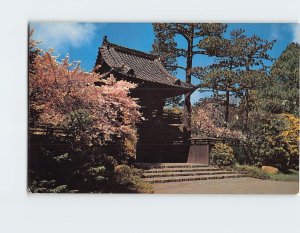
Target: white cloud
296	32
60	36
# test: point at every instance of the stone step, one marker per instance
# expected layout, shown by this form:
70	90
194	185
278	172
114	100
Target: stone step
181	169
179	174
169	165
192	178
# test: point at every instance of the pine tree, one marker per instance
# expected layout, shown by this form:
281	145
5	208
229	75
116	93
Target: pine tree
255	72
222	76
166	47
239	68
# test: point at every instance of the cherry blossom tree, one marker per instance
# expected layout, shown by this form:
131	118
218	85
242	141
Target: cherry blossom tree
64	95
209	121
83	115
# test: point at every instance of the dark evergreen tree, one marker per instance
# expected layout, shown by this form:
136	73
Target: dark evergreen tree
273	135
222	77
254	72
281	94
166	47
238	69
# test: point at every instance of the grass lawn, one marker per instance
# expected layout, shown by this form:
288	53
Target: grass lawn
256	172
291	176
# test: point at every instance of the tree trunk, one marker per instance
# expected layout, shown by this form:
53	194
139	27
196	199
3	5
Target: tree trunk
188	105
227	97
246	105
227	107
187	115
246	110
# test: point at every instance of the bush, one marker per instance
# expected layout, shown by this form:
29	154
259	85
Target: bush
54	166
275	141
45	186
128	180
91	171
208	121
222	155
79	131
252	171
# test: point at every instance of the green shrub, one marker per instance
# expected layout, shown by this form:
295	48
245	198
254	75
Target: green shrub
82	173
274	141
252	171
45	186
222	155
128	180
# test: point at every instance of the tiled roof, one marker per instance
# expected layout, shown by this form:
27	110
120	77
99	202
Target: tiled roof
139	65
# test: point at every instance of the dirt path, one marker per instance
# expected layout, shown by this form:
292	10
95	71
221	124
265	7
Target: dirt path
229	186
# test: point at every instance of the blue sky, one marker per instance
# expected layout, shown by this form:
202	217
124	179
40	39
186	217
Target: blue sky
82	40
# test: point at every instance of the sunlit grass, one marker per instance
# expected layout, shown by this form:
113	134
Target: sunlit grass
293	175
256	172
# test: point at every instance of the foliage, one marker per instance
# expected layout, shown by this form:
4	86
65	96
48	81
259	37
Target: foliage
273	126
81	172
256	172
175	101
222	155
208	121
281	91
252	171
51	171
173	110
65	95
173	115
222	76
166	47
239	68
87	129
291	138
33	51
275	141
255	70
45	186
128	180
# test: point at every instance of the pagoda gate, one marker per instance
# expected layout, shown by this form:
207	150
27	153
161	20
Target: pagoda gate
160	138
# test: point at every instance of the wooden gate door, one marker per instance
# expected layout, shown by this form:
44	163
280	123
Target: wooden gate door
198	154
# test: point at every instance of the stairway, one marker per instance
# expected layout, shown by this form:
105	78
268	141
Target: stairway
178	172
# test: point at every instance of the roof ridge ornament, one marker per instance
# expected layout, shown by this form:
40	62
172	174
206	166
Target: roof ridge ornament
104	41
177	81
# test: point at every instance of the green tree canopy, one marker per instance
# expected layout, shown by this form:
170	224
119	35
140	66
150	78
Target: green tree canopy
201	39
281	94
239	68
